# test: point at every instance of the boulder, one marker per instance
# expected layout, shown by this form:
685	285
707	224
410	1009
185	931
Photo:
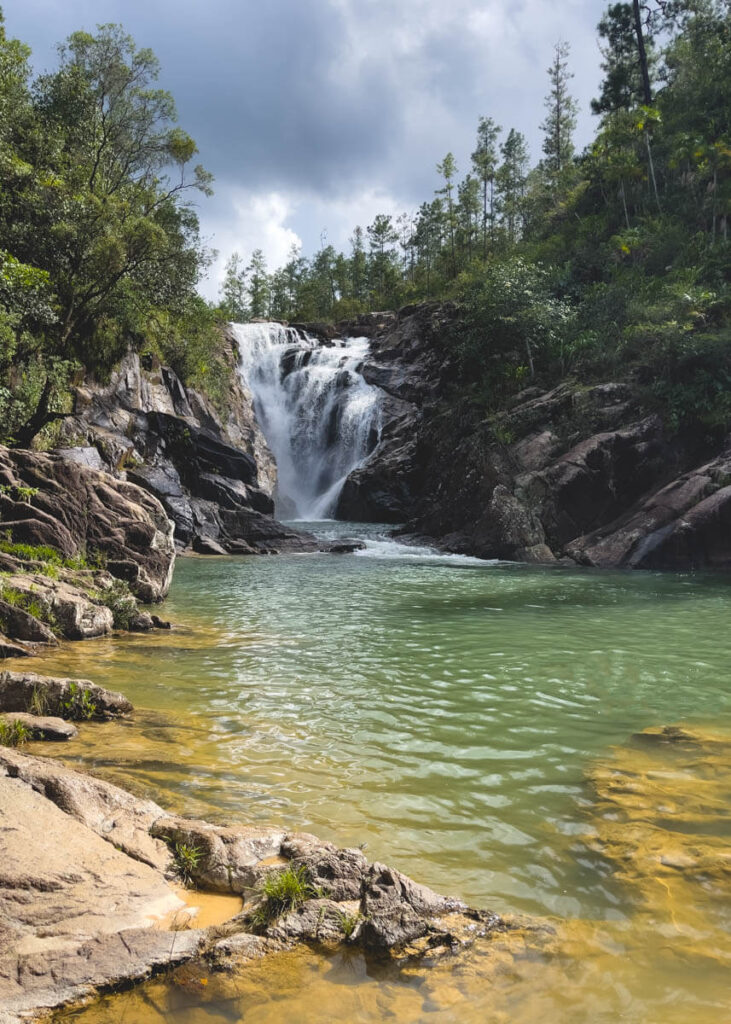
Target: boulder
76	914
8	649
67	698
74	613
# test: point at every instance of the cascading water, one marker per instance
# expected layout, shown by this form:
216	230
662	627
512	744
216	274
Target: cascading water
317	413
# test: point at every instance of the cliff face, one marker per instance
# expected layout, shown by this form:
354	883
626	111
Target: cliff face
582	473
214	478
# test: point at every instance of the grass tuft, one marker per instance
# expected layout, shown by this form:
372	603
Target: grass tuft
14	734
280	892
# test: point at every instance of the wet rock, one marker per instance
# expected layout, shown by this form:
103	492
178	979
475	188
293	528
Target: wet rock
319	920
21	691
8	649
207	546
397	910
42	727
342	546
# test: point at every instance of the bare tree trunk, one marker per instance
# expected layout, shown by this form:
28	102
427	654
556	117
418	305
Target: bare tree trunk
642	53
651	165
624	204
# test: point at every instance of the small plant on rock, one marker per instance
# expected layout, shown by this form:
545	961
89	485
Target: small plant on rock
14	734
38	702
187	857
349	923
78	704
280	892
120	600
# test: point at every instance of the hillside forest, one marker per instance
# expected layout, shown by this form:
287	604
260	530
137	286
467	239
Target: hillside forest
610	262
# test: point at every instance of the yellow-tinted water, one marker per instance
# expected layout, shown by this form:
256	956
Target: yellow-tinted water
461	720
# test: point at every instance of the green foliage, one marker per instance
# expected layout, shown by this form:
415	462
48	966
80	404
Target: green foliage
38	704
122	603
349	923
28	603
97	234
513	329
280	892
13	734
37	552
78	705
187	857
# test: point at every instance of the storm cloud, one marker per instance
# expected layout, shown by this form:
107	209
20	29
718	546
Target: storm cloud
314	115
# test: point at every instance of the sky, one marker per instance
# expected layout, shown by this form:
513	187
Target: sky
314	115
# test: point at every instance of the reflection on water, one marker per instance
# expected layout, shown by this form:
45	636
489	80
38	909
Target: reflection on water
453	717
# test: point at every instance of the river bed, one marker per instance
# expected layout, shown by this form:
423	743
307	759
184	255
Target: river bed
451	716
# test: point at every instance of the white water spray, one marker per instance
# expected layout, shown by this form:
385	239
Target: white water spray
319	416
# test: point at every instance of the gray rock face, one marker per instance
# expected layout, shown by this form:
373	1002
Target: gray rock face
78	510
23	626
21	691
214	478
573	471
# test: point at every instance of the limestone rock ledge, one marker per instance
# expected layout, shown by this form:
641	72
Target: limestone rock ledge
87	876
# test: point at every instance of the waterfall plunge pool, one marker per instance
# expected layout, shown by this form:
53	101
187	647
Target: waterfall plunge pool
465	720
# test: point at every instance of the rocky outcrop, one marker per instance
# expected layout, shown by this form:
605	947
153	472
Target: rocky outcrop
213	473
89	911
583	473
47	501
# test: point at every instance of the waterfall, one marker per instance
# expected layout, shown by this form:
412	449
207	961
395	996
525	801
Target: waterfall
319	416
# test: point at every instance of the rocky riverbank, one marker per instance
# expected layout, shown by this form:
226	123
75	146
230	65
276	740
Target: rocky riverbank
97	907
585	474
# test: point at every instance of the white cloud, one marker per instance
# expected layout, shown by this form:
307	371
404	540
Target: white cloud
245	221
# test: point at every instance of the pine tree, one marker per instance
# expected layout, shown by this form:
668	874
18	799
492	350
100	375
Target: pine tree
485	162
447	169
560	122
233	290
511	179
258	288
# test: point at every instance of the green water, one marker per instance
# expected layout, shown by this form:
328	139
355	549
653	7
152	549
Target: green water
443	711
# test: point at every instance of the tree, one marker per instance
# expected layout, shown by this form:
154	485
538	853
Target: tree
258	287
511	180
233	289
381	237
485	162
560	122
447	170
622	87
